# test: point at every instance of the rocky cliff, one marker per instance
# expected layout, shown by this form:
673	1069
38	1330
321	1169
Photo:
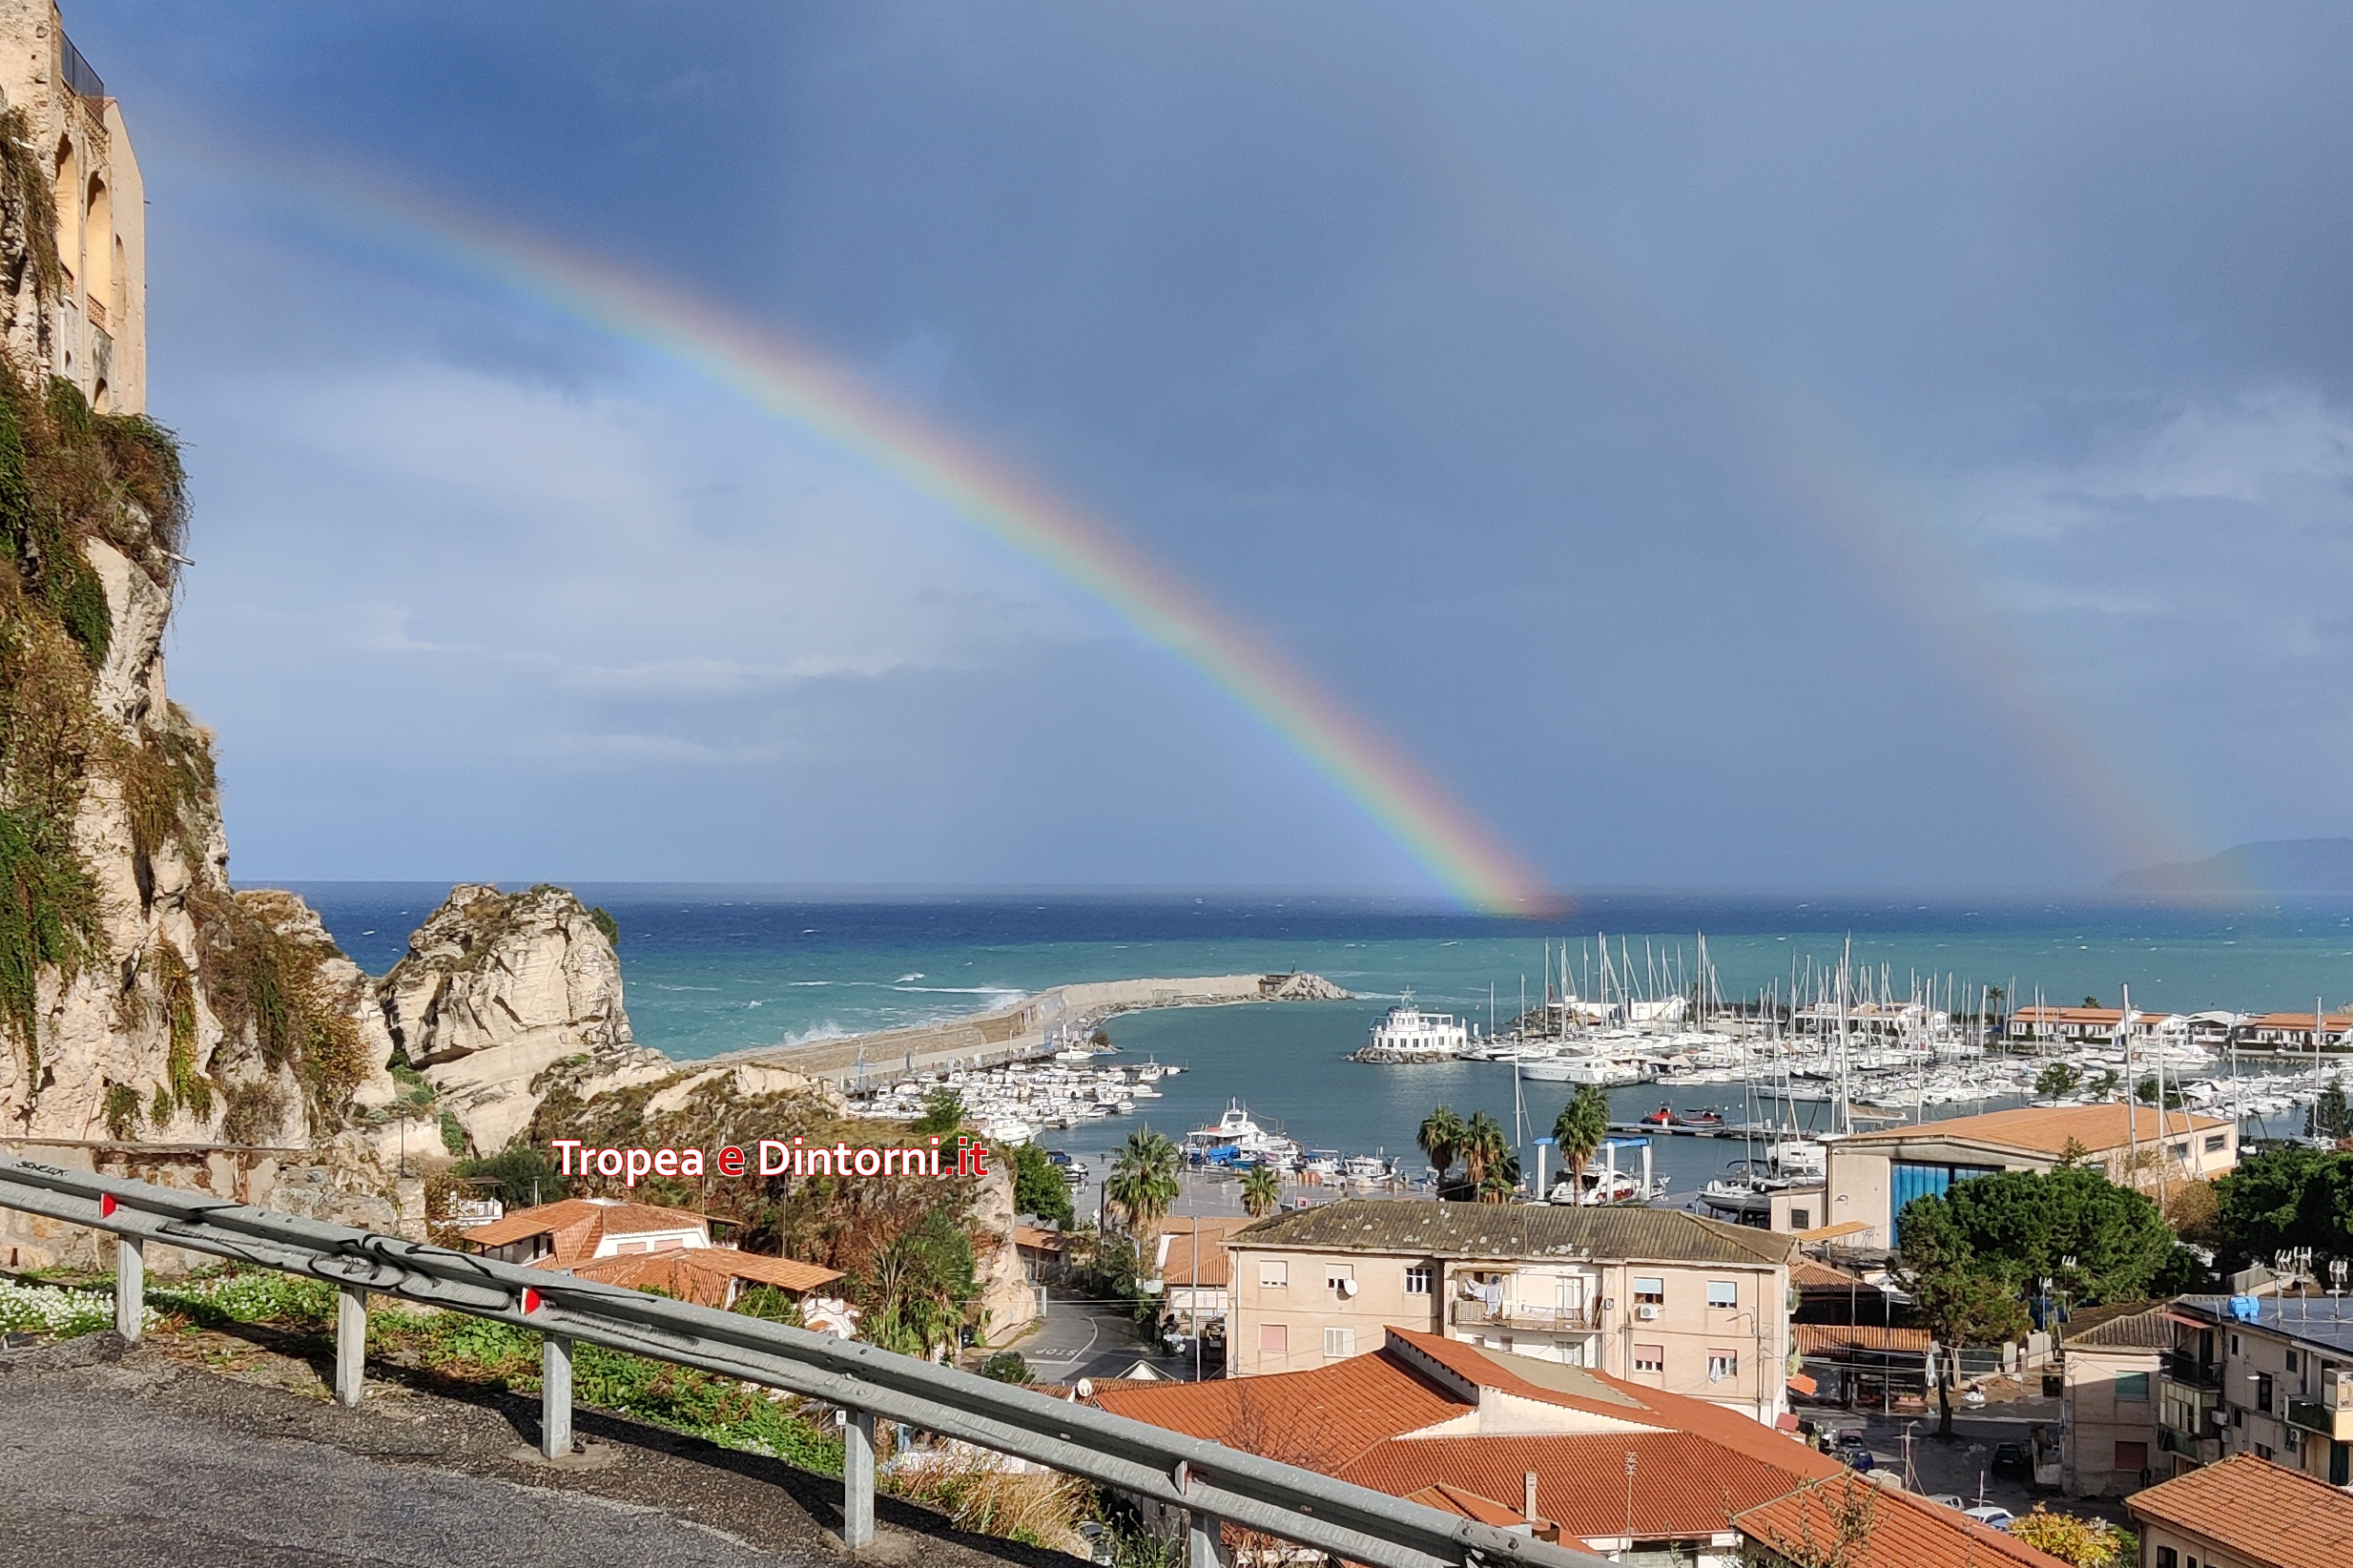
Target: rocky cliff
496	989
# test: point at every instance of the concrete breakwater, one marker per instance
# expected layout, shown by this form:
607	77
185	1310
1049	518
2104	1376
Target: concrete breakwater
1024	1029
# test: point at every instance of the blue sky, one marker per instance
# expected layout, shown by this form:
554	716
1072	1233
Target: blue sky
1790	447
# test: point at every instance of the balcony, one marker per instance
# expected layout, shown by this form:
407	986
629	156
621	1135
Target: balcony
1525	1317
2184	1368
2313	1415
2200	1451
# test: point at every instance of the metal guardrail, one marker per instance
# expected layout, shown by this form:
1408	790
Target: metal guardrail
1210	1483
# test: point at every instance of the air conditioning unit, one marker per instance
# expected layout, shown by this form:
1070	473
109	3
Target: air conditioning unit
1646	1312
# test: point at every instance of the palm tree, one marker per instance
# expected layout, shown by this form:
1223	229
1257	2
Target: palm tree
1502	1179
1440	1138
1580	1128
1262	1191
1484	1149
1143	1179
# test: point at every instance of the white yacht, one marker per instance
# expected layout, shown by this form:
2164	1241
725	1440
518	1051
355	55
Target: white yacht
1405	1033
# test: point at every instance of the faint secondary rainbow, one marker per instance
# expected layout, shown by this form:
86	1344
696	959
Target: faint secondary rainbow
1407	805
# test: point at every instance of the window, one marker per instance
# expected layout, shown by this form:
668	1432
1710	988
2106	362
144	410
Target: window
1724	1293
2179	1152
1273	1273
1801	1219
1650	1359
1338	1276
1649	1291
2165	1557
2132	1386
2262	1390
1722	1364
1418	1281
2215	1142
2262	1451
1275	1339
2234	1343
1338	1343
2131	1456
2295	1360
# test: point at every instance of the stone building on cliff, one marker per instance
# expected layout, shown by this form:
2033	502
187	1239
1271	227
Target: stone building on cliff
94	331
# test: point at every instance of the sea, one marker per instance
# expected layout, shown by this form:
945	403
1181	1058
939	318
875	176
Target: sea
713	968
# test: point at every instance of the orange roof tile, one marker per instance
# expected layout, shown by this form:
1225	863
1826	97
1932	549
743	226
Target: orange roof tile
569	1218
1319	1418
1036	1238
1899	1531
1823	1338
2257	1510
1470	1505
1684	1485
1813	1271
700	1274
2045	1129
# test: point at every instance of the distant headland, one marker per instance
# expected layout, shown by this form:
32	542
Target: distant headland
2289	865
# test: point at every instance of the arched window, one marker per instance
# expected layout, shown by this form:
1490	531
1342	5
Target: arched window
69	206
100	248
101	399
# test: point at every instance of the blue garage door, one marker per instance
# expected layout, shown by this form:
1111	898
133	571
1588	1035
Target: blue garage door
1918	1181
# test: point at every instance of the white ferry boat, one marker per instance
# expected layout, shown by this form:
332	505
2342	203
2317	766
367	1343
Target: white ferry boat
1405	1033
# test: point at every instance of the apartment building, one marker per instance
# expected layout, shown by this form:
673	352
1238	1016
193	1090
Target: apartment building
2268	1376
1873	1175
2110	1365
1660	1298
91	328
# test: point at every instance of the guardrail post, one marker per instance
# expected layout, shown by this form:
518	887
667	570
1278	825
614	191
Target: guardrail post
350	1344
1204	1543
555	1396
857	1480
130	1284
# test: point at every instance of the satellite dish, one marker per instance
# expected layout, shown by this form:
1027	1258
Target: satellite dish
1348	1287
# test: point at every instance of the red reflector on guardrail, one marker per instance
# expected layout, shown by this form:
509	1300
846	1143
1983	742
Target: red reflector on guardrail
530	1301
106	1206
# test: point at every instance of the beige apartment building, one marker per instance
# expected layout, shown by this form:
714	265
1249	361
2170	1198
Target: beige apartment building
93	332
1873	1175
1656	1296
2110	1365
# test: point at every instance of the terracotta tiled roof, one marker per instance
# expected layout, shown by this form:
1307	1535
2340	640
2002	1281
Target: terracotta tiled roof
1813	1271
1470	1505
1036	1238
2130	1326
1900	1531
1684	1485
2045	1129
1825	1338
577	1224
2256	1510
1177	1245
1517	1230
1320	1418
700	1274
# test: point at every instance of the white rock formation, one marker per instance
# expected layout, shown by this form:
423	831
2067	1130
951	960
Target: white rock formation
497	988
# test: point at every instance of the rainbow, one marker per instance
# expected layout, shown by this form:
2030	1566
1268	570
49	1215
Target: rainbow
792	380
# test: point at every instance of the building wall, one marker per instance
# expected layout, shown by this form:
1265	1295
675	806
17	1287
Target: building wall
1282	1327
1284	1301
95	336
2158	1540
2297	1369
2096	1419
1862	1177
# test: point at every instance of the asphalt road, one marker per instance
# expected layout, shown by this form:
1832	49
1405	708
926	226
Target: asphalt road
115	1457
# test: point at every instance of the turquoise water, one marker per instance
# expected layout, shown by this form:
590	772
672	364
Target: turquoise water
717	969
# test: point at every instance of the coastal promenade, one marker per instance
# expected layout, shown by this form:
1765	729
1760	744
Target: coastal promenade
1024	1028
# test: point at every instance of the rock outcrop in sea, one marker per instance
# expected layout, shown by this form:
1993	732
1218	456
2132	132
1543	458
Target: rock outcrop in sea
497	988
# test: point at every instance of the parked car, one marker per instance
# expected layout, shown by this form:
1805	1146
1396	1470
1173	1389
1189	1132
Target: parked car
1950	1500
1989	1514
1849	1450
2013	1459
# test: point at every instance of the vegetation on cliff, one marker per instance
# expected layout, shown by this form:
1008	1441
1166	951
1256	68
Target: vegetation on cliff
907	1244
